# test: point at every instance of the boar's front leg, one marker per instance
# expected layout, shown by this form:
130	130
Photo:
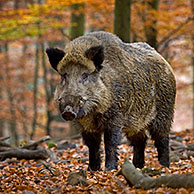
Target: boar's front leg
112	138
93	140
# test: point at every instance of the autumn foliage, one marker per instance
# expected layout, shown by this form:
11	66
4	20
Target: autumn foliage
27	83
28	27
50	176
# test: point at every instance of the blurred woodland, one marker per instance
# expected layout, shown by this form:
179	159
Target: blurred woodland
28	27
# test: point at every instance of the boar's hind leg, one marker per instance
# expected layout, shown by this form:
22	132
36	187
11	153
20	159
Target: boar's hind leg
162	146
112	138
92	140
138	142
159	130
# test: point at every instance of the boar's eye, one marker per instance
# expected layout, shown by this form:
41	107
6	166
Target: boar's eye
84	77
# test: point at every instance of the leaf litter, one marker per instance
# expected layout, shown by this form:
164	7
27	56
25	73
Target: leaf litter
30	176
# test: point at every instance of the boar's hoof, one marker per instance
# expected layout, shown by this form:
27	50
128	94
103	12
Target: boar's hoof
165	162
68	114
94	168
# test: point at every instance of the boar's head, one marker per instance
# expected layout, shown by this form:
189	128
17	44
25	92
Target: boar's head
81	90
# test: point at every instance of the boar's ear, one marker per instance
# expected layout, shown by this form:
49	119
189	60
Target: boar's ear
96	54
55	55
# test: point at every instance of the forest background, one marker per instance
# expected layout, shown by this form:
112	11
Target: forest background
28	27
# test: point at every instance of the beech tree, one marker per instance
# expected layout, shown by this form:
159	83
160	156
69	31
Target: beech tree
150	22
122	17
77	20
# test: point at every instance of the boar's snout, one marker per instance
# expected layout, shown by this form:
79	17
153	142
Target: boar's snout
68	113
70	107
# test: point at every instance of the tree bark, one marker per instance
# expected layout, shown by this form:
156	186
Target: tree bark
1	91
37	65
122	18
150	23
12	121
192	57
16	4
35	91
138	180
2	121
25	154
28	152
35	144
23	109
47	91
77	20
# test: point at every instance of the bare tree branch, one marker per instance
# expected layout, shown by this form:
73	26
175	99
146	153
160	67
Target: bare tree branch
168	36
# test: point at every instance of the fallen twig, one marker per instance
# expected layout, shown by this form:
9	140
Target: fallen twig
4	138
36	143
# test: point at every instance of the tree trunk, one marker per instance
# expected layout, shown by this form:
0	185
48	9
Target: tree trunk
35	85
16	4
47	91
24	108
77	20
12	122
122	18
150	23
1	98
192	57
35	91
1	91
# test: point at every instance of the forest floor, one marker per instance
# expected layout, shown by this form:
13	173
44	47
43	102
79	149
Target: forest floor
29	176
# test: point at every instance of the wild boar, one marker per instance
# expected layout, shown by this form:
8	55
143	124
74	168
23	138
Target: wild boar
109	87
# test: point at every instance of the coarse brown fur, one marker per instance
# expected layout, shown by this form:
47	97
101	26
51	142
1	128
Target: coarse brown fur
109	86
